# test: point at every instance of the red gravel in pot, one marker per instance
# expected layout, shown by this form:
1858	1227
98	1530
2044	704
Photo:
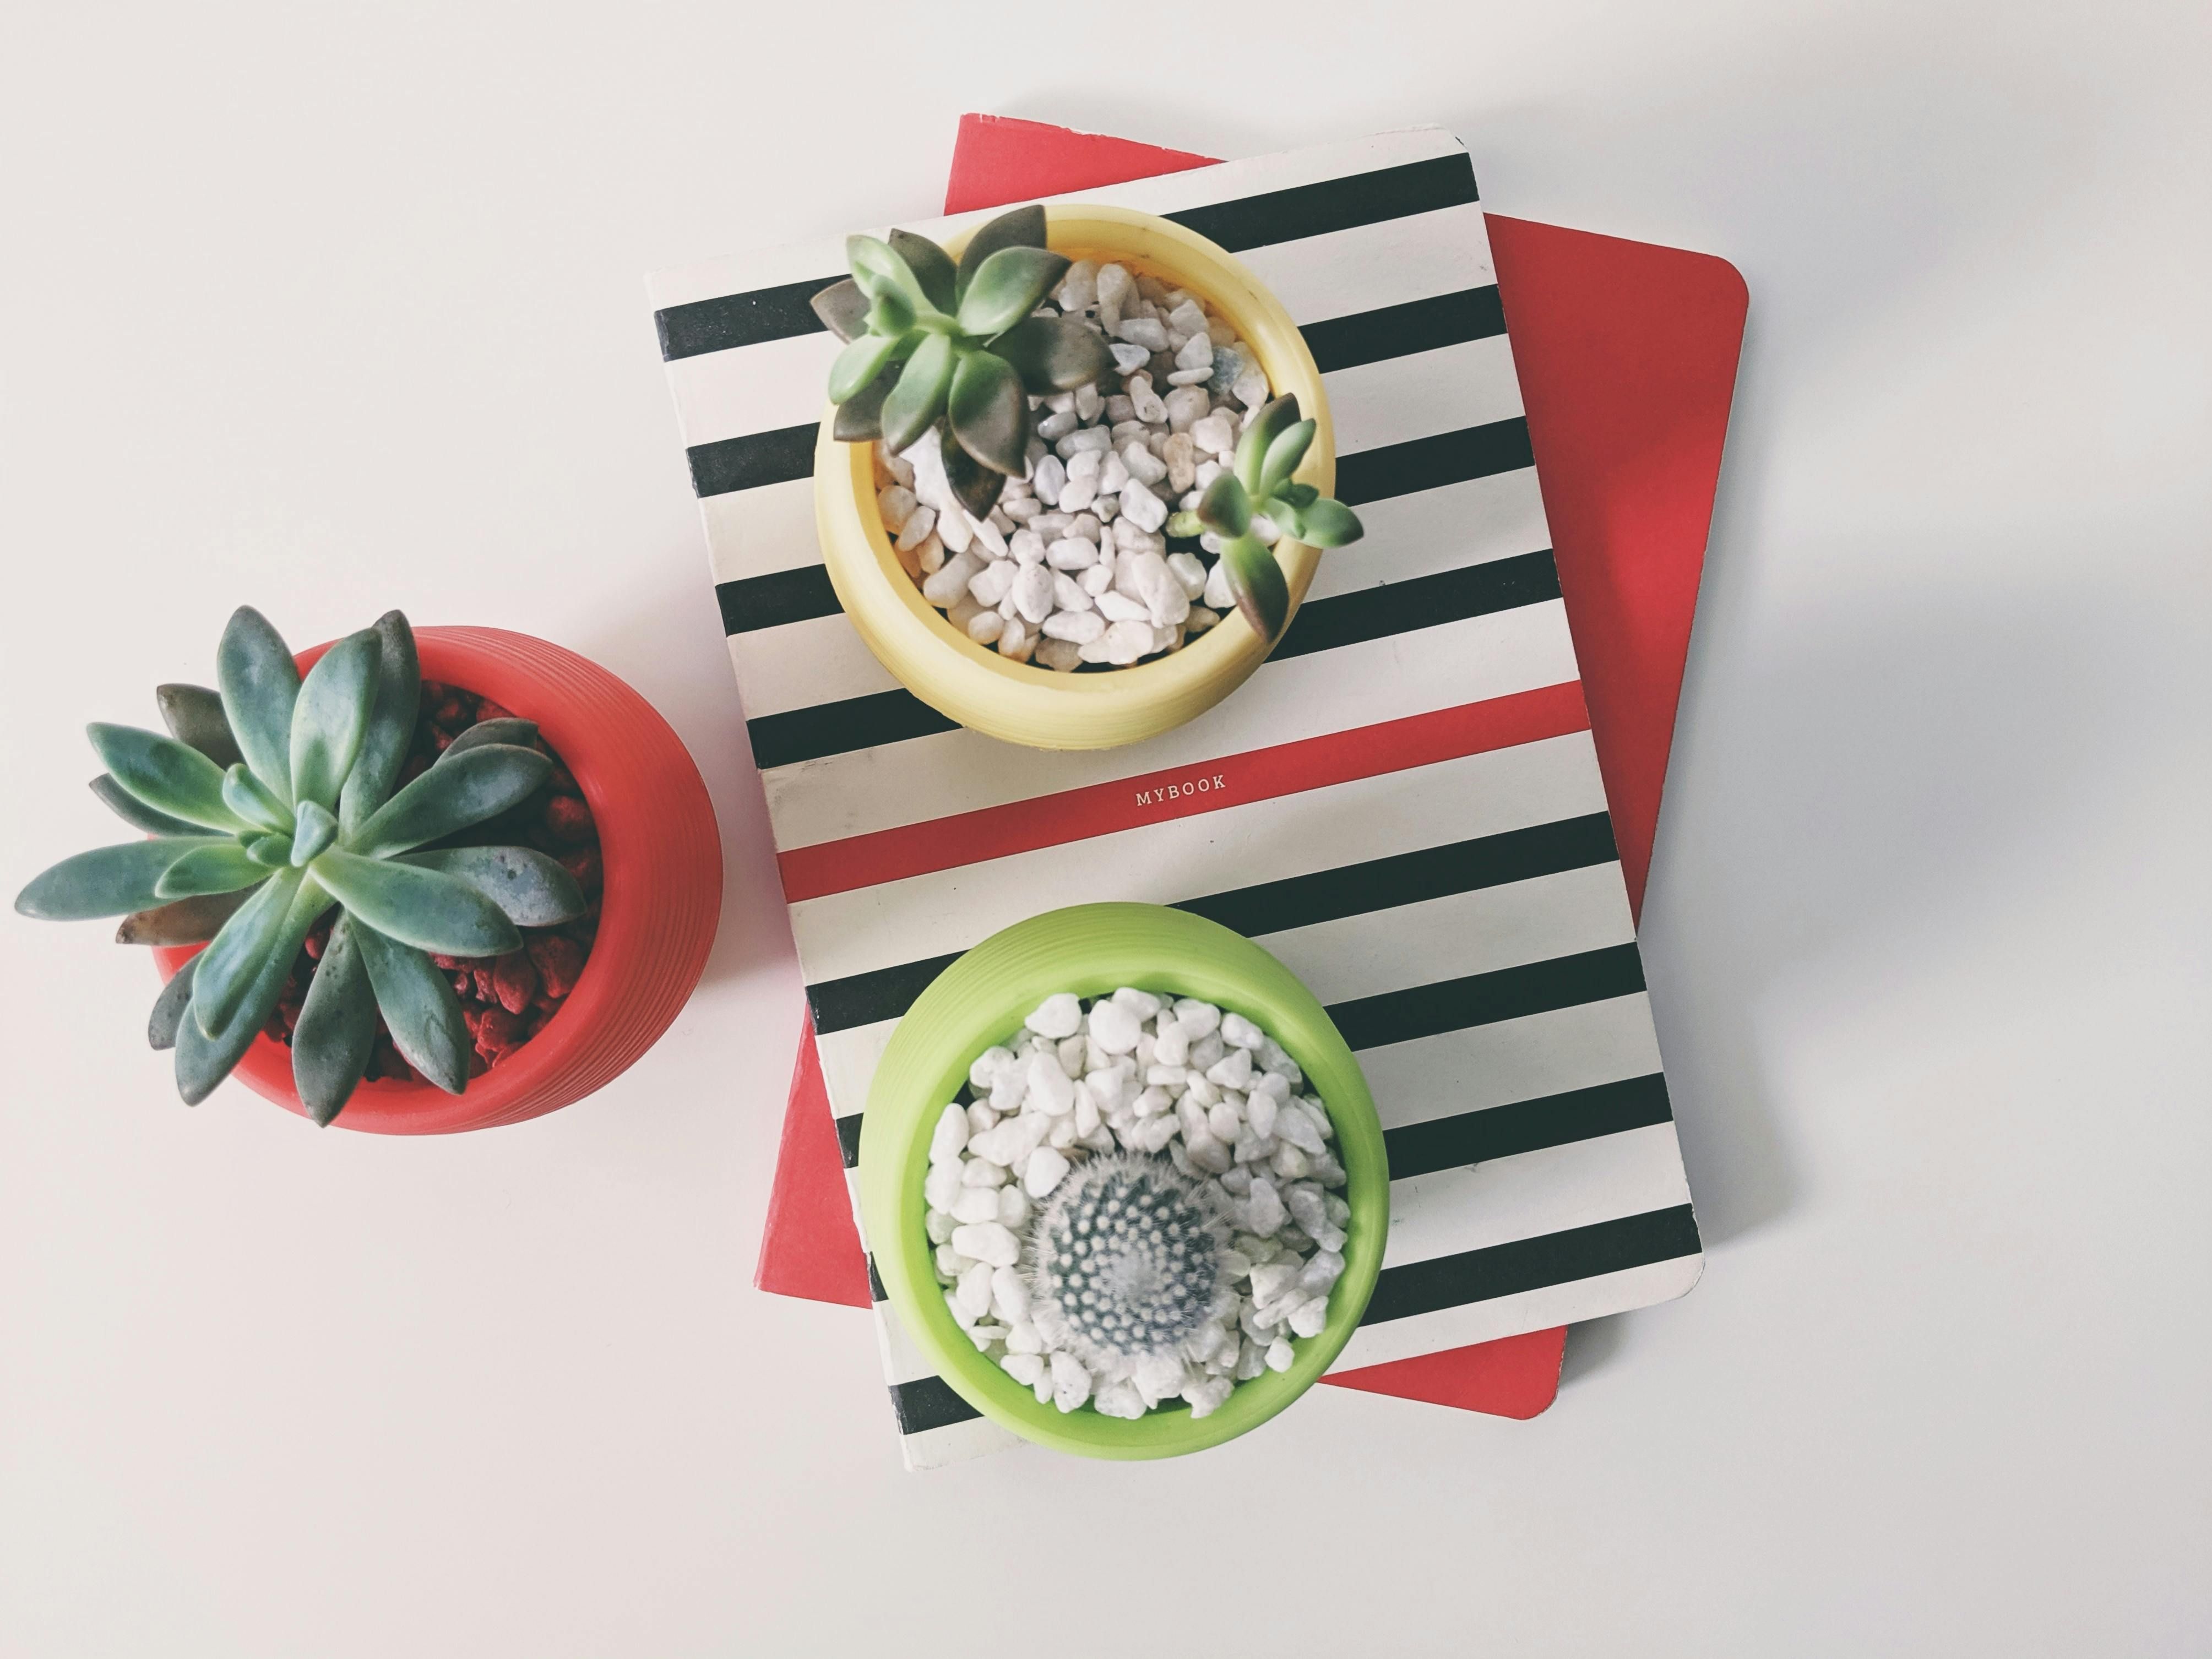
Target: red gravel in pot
507	1001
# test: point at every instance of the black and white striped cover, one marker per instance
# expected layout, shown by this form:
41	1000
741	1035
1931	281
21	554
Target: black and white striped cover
1403	803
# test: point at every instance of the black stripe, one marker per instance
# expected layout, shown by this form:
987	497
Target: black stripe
849	1140
1271	906
875	1283
1530	1264
1448	458
1361	198
1281	215
740	320
1449	596
757	459
881	994
1526	1125
1370	336
1453	1005
1428	873
835	728
928	1402
779	597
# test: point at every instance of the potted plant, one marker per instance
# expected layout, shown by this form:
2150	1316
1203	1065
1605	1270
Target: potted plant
1201	1317
443	879
1079	437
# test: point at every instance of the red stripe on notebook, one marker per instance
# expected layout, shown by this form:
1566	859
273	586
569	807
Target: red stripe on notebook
1101	809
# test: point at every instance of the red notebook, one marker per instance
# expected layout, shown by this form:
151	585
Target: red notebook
1627	358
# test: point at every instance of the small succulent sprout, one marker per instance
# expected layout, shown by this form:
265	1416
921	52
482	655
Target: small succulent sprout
274	799
955	347
1259	487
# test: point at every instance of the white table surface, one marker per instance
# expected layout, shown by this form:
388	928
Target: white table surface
333	309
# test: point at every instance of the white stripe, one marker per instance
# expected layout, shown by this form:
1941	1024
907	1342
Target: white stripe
1179	858
756	533
1462	933
802	664
1432	531
1531	1193
1392	262
1511	1315
755	388
1472	660
956	1443
1511	1060
849	1058
1401	398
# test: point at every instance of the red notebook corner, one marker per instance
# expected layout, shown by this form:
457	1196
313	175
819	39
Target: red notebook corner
1627	357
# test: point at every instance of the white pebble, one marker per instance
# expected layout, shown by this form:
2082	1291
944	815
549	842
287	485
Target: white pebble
987	1241
1043	1172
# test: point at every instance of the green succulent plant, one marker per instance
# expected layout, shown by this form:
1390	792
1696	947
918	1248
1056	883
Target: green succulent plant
274	799
1259	485
929	341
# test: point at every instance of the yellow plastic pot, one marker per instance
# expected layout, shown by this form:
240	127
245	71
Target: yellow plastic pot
1037	706
982	999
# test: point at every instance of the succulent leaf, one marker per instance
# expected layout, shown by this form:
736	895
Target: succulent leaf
1298	495
975	486
460	790
1274	418
229	967
426	908
860	416
1283	457
989	415
843	308
317	829
181	921
1325	523
169	1007
107	881
931	266
1006	287
520	733
859	363
194	715
135	813
890	314
251	800
390	724
332	715
1225	509
204	1061
260	683
335	1029
1053	353
168	775
419	1008
221	866
273	849
918	396
879	270
1024	226
1257	582
531	889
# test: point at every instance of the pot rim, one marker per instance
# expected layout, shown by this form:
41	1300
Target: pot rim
1093	949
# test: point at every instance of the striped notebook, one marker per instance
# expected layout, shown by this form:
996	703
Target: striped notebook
1403	805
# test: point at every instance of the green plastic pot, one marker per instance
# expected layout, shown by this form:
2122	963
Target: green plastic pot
982	999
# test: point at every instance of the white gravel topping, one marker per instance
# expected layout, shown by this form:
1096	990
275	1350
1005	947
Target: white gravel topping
1109	463
1134	1202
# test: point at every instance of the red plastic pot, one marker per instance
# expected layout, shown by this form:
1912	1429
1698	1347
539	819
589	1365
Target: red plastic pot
663	859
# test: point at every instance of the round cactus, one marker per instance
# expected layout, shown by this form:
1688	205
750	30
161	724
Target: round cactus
1130	1256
